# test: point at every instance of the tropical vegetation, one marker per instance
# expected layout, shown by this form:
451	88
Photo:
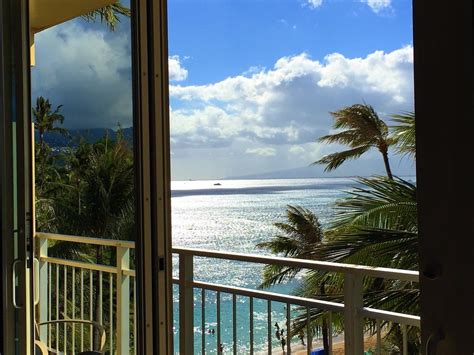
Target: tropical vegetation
361	129
85	189
375	225
46	119
109	15
404	133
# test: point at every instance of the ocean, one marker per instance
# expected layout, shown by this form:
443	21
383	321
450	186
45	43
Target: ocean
234	216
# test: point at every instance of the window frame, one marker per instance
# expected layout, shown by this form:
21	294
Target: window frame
153	178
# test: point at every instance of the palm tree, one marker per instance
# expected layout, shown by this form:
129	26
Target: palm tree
110	15
363	130
45	119
96	200
404	133
377	218
300	238
108	191
300	235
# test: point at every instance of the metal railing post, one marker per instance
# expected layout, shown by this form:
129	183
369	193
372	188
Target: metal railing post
123	302
186	305
353	321
43	288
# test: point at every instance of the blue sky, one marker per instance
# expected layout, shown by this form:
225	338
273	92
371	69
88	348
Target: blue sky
252	82
227	37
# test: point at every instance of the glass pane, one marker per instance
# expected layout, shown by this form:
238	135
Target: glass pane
15	177
82	110
278	109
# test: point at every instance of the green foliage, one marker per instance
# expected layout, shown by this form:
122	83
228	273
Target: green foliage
335	160
110	15
362	130
375	225
379	218
404	133
88	190
299	237
378	202
45	119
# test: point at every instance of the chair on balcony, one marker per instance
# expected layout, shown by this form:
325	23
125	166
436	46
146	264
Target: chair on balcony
42	349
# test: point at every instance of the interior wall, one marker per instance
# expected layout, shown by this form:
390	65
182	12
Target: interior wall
443	42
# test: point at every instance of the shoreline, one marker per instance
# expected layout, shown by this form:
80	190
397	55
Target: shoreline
338	346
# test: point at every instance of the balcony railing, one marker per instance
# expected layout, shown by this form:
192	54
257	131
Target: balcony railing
71	289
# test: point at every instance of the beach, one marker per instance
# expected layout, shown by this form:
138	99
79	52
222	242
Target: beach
338	347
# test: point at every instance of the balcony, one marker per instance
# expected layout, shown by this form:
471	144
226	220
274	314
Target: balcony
106	293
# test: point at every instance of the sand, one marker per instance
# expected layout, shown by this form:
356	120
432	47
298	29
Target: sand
338	347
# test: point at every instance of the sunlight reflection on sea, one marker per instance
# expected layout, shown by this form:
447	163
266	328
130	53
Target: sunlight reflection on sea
235	215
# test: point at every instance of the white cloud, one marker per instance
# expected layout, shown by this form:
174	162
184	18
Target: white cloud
289	103
378	5
277	111
88	72
314	3
176	71
264	152
297	150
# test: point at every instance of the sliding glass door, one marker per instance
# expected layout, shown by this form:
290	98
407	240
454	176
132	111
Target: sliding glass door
107	71
16	182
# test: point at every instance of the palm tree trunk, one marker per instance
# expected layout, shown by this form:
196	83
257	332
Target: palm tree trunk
387	165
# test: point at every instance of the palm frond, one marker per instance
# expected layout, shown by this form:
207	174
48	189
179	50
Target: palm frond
379	203
350	137
302	232
361	117
362	129
373	247
404	133
110	15
335	160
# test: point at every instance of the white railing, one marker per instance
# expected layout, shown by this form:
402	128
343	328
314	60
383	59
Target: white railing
106	293
72	289
352	309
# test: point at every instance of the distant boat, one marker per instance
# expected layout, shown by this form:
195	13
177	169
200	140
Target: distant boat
217	184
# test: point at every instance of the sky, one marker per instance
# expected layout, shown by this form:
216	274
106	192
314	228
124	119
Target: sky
252	82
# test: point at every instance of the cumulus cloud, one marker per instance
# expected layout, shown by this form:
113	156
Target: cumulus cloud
314	3
264	152
88	71
289	103
271	112
378	5
297	149
176	71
